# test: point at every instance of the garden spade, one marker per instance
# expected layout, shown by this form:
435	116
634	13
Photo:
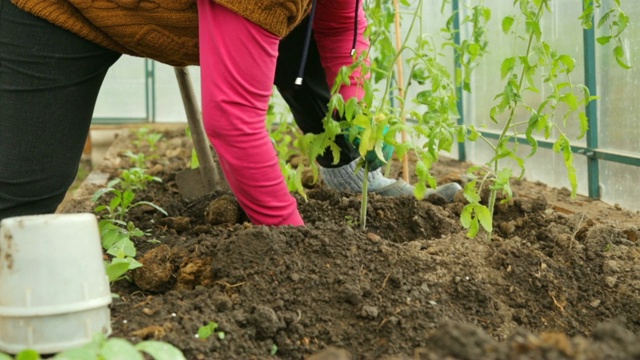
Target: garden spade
194	183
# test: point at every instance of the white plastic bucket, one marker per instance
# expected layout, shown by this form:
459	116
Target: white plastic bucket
54	292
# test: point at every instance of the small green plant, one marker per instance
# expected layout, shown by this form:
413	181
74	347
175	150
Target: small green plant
284	137
195	162
122	201
101	348
139	160
117	240
136	178
205	331
274	350
27	354
539	69
116	232
145	135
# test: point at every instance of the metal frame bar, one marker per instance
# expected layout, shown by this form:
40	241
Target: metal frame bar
593	166
455	7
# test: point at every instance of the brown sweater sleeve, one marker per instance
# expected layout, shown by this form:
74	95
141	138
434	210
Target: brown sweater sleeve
277	16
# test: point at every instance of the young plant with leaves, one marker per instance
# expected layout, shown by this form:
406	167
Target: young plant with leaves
284	137
375	122
539	69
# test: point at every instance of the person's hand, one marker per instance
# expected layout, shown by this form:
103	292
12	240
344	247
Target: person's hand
374	161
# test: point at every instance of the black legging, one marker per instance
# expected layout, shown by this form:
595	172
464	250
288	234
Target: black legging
49	83
308	103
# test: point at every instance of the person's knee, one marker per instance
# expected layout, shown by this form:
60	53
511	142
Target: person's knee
39	193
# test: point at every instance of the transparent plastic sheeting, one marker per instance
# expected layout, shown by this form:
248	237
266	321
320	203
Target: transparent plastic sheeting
123	93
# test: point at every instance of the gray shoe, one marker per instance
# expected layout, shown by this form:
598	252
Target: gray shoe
401	188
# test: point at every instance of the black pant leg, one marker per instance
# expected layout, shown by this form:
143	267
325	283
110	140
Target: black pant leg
309	102
49	82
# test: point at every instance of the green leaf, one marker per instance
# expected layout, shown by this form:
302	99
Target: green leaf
28	355
484	215
571	100
350	108
127	198
507	66
204	332
125	246
99	193
160	350
568	62
618	51
119	349
152	205
424	97
115	202
420	190
115	269
195	162
133	263
473	228
421	170
602	40
362	120
465	216
470	192
4	356
507	22
83	353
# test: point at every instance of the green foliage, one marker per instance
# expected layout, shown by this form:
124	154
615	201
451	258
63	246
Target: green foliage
285	139
101	348
195	162
117	241
136	179
145	135
614	21
122	201
116	232
537	82
204	332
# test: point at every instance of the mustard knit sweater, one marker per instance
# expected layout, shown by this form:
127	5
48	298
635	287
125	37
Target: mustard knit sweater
163	30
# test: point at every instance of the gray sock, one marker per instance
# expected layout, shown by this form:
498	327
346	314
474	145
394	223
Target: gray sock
346	179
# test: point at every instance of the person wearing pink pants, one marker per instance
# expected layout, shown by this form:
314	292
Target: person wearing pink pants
55	54
237	60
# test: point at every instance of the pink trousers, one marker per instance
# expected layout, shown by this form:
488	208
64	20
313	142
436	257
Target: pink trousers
238	60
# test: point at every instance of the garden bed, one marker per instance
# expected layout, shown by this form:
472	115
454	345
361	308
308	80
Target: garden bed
560	280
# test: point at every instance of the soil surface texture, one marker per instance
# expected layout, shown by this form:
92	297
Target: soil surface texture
559	280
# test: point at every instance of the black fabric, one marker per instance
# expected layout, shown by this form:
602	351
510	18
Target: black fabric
49	82
308	102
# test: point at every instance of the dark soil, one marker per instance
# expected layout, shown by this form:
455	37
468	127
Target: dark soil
559	280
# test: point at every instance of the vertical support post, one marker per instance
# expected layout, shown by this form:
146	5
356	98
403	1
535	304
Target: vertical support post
455	7
150	89
593	166
400	65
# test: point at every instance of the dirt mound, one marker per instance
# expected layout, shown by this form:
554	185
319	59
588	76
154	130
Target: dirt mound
555	283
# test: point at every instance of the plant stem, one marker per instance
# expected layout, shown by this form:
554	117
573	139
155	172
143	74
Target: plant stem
365	198
507	126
